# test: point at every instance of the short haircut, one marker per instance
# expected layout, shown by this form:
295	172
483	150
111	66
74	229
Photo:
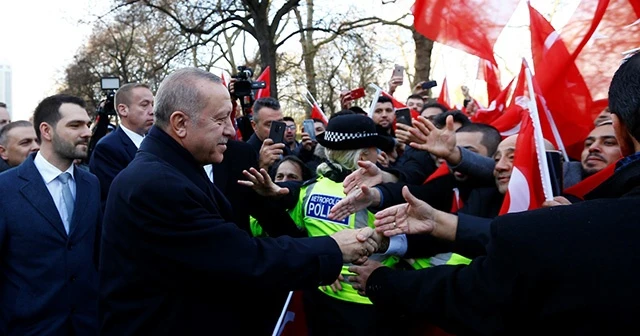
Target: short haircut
315	120
490	135
384	99
123	95
4	132
624	95
48	110
436	105
3	105
178	92
358	110
269	102
288	119
415	96
440	120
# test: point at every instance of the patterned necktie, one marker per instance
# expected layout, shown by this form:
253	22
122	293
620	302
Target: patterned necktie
67	198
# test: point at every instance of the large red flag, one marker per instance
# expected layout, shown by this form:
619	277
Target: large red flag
560	84
470	25
597	34
265	76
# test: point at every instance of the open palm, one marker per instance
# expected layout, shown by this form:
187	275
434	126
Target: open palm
439	142
413	217
357	200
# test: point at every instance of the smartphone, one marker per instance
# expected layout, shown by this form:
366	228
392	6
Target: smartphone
356	93
428	85
554	162
398	72
276	132
309	127
403	116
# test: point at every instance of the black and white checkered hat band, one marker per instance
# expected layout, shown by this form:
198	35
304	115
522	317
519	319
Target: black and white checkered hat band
338	137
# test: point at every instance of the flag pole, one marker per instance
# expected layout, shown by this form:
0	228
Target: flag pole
374	101
277	330
539	139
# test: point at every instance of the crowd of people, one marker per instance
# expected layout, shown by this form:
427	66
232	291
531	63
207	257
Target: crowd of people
178	227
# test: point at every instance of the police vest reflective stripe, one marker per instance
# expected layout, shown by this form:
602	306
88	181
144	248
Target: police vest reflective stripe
439	259
311	213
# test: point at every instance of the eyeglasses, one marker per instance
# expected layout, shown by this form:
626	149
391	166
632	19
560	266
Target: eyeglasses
291	127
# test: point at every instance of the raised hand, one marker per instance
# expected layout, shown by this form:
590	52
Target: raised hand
269	153
356	245
439	142
261	182
359	281
368	174
307	143
413	217
359	199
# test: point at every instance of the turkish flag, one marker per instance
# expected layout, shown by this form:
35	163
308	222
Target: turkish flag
265	76
470	25
496	107
525	190
443	97
565	92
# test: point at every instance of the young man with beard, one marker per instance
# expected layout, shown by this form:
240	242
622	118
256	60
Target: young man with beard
49	221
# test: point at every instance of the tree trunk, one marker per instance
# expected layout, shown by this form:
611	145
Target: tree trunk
267	46
422	64
309	51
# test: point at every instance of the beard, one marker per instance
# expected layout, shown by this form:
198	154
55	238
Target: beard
69	149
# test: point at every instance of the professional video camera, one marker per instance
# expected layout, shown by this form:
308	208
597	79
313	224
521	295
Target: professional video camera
243	89
106	109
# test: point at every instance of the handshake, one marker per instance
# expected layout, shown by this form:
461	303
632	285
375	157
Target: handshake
357	245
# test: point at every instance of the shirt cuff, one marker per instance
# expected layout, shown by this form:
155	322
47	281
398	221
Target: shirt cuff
397	246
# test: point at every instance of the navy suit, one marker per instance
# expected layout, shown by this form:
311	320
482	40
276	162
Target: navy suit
111	155
48	279
173	263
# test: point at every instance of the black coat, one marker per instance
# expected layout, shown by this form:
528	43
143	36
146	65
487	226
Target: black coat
566	270
173	263
111	155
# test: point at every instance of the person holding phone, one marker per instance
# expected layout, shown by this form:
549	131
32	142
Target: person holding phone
265	111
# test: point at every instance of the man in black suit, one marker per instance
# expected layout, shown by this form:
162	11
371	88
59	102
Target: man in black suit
134	104
172	262
566	270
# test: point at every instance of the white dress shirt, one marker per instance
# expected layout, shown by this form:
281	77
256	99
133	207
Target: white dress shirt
208	169
49	175
135	137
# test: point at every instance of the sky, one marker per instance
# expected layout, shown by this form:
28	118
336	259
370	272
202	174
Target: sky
39	45
38	49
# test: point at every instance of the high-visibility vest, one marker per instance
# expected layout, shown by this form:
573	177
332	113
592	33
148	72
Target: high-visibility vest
311	213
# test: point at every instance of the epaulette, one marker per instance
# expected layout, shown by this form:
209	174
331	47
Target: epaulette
310	181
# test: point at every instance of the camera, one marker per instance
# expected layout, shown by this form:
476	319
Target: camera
244	86
105	110
109	86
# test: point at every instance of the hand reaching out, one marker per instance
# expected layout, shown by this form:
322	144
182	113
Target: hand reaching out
413	217
356	245
439	142
261	182
368	174
359	281
357	200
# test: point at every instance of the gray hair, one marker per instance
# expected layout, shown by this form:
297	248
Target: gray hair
4	131
179	92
